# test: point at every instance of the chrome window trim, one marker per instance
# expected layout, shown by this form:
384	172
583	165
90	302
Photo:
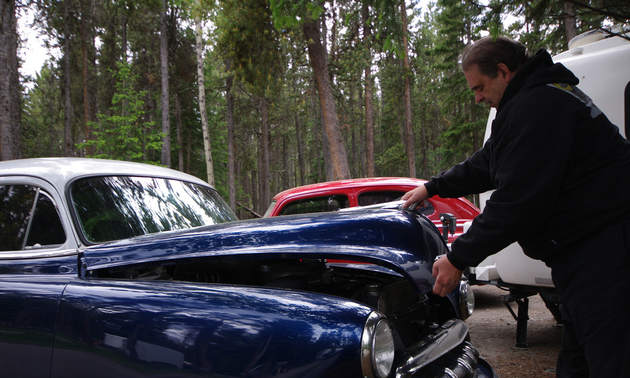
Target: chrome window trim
70	247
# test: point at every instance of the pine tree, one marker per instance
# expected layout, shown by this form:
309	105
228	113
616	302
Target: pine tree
125	134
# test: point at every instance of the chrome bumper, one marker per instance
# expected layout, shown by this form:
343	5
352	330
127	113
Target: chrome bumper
445	353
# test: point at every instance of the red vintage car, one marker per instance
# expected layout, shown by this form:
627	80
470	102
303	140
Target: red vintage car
336	195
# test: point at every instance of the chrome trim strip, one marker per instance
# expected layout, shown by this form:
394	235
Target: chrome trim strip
450	335
34	254
466	365
450	373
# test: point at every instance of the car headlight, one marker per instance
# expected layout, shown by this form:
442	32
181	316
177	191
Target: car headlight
377	347
466	299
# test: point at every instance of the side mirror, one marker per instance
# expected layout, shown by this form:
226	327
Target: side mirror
449	225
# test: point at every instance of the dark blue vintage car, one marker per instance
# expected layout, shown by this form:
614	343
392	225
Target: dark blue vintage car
114	269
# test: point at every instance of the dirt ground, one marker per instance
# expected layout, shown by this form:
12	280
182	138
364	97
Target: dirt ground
493	332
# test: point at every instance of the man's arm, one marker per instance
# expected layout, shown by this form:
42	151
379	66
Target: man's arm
469	177
447	276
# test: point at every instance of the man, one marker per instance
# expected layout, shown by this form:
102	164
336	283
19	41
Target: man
561	174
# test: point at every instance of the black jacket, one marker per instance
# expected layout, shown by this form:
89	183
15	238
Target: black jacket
561	170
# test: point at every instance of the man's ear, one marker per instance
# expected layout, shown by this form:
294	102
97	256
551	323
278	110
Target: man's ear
504	72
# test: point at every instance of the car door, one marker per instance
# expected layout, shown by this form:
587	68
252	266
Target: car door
38	256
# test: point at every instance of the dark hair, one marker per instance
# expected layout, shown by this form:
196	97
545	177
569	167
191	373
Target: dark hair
489	51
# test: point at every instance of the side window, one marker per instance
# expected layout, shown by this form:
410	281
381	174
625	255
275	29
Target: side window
28	219
372	198
426	208
316	205
46	228
16	204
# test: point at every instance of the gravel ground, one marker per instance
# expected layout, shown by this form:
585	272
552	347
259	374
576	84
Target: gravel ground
493	332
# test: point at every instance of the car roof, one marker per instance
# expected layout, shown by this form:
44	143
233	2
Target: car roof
349	184
60	171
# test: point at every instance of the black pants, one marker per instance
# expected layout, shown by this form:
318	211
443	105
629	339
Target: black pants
593	282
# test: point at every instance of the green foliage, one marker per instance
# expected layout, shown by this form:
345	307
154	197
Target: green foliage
459	141
42	117
388	26
456	25
260	44
543	23
216	111
125	134
393	160
291	13
249	40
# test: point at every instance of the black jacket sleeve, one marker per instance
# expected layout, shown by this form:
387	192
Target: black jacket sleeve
525	161
469	177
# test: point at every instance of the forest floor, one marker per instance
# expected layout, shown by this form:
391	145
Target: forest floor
493	332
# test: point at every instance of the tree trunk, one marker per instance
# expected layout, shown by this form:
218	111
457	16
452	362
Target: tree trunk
255	185
369	108
327	160
569	21
409	138
86	82
317	56
298	138
188	150
178	123
9	91
68	111
123	33
207	146
284	177
230	126
16	94
166	122
50	118
265	198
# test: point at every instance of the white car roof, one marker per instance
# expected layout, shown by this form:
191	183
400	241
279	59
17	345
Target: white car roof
59	171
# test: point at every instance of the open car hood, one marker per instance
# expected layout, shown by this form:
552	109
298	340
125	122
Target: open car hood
398	240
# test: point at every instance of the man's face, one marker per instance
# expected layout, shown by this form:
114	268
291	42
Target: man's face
488	90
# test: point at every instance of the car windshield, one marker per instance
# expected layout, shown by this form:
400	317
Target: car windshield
120	207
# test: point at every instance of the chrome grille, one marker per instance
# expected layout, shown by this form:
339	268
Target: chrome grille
460	362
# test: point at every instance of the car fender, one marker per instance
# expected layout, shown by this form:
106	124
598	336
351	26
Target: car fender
127	328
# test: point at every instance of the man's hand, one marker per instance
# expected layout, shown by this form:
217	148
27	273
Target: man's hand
416	195
447	277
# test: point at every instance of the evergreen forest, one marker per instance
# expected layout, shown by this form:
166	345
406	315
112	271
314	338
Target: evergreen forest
257	96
